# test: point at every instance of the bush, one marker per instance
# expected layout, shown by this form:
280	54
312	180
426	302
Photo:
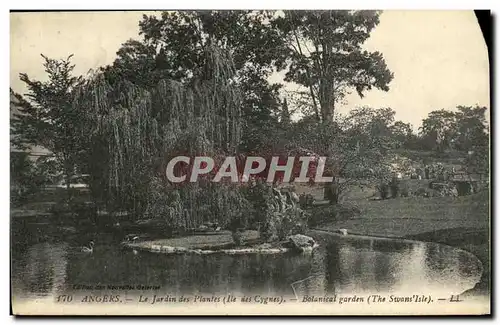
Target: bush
394	187
191	205
383	190
293	221
234	207
237	237
26	176
269	229
278	215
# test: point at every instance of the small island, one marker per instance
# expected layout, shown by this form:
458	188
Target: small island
223	244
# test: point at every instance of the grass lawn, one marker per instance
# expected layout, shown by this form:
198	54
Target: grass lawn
402	217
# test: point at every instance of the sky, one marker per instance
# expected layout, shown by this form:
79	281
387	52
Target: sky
439	58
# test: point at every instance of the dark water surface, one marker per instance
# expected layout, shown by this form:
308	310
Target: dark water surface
42	266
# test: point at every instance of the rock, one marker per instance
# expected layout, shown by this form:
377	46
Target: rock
168	249
301	242
342	231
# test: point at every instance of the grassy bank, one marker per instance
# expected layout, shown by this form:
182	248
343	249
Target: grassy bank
461	222
403	217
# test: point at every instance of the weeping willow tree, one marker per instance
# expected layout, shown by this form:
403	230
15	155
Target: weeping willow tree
134	131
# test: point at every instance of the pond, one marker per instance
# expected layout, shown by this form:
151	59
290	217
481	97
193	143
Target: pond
47	267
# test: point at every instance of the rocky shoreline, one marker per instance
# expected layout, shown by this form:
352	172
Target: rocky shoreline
294	243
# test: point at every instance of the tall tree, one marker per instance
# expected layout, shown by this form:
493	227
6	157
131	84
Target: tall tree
137	129
472	136
471	128
326	56
48	117
356	145
174	47
440	128
402	133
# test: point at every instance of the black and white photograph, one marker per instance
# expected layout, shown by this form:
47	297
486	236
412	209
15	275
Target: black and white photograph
250	162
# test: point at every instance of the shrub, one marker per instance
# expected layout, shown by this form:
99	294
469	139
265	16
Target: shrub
27	177
384	190
278	215
237	237
421	191
269	229
394	187
293	221
191	205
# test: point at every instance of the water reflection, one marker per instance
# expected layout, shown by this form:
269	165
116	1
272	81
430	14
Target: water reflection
42	270
340	265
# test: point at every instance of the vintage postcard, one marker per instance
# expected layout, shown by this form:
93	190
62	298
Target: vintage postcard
256	162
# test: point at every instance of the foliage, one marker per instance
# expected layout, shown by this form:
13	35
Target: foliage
439	128
384	190
402	134
471	128
357	147
461	130
324	53
135	131
188	206
24	178
174	47
48	117
197	83
478	161
276	216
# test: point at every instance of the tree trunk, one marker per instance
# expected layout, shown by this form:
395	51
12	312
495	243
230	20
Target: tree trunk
68	172
308	74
